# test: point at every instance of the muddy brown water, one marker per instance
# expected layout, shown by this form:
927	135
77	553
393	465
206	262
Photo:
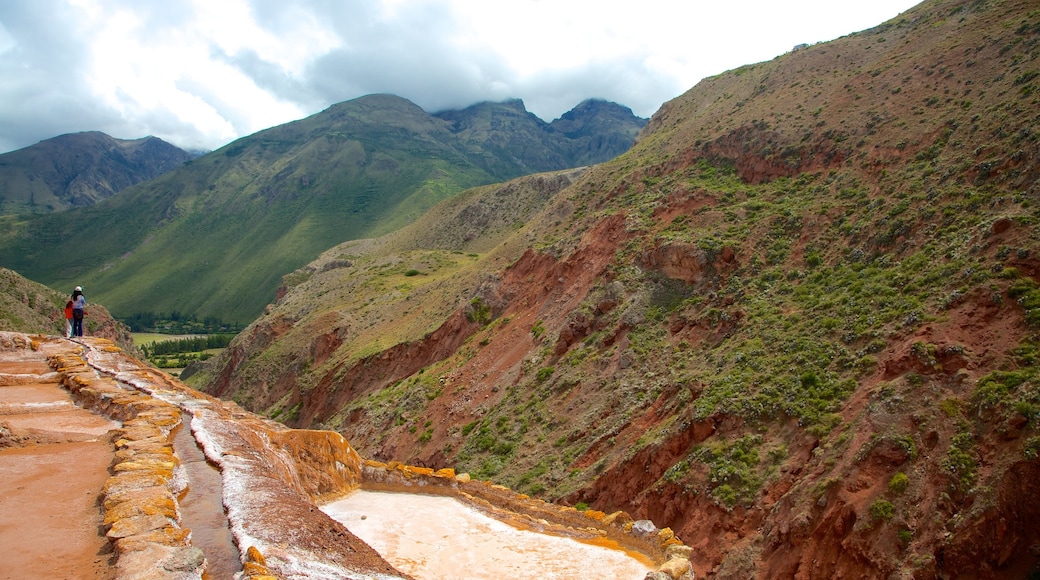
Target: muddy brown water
202	509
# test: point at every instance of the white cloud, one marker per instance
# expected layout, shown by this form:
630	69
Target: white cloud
200	73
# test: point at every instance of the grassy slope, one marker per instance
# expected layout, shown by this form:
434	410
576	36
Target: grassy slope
400	287
825	275
30	307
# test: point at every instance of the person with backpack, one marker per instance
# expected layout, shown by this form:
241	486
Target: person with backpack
79	305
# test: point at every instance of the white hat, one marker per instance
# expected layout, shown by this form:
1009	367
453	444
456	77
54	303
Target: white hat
79	289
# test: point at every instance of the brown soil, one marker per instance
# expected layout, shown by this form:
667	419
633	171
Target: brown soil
53	463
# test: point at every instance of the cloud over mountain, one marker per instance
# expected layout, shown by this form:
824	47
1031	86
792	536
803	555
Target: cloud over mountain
201	74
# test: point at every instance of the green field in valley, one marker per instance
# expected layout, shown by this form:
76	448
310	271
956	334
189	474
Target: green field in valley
173	352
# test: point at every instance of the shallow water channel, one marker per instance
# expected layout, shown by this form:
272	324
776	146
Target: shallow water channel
434	537
201	508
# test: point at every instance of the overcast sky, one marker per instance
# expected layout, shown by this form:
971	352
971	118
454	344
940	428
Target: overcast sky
201	73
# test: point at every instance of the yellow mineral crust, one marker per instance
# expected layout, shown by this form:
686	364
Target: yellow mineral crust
141	515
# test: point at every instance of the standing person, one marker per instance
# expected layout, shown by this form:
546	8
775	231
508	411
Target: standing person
68	319
79	303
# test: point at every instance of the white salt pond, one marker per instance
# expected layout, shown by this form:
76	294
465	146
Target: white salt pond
434	537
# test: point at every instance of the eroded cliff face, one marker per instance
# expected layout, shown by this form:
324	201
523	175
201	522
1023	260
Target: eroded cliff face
819	509
797	323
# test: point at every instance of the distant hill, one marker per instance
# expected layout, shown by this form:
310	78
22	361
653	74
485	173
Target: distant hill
797	323
80	169
213	237
507	140
26	306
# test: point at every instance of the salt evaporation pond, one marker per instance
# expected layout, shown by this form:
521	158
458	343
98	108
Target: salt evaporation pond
434	537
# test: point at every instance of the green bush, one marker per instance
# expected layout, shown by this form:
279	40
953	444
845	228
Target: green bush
538	330
544	374
882	509
899	483
960	461
479	312
1032	448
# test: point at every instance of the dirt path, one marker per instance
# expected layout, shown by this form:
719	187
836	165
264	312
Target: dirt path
54	460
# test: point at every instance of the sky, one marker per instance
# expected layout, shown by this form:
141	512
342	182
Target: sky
202	73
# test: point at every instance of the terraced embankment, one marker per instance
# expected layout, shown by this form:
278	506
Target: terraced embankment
141	502
54	459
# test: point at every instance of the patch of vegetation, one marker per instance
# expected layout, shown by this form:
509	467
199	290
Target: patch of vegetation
734	471
286	415
192	344
960	463
677	472
881	509
898	483
538	330
544	374
1032	448
178	323
1012	392
479	312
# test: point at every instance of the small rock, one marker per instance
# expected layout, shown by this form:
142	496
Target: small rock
185	560
644	528
678	551
676	567
136	525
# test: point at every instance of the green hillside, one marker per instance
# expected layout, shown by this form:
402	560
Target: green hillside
80	169
214	237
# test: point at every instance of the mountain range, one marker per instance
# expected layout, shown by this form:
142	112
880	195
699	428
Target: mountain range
80	169
212	237
797	322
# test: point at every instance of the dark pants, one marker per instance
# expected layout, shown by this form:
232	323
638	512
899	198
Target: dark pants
77	322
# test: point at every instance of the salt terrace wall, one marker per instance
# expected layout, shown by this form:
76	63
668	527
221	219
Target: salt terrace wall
273	477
